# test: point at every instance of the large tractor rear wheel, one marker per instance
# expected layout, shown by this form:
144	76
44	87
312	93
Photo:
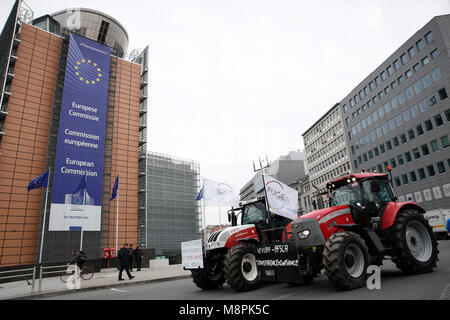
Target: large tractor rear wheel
414	243
346	258
240	268
211	276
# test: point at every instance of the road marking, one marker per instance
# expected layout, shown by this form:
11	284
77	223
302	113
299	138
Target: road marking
114	289
446	293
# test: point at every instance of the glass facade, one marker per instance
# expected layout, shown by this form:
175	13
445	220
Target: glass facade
94	25
173	214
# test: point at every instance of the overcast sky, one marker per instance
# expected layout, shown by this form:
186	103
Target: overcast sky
232	80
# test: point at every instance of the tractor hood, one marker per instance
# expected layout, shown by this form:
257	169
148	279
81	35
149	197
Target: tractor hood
319	214
220	239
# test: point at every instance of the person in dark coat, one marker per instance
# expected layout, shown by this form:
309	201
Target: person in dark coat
78	258
131	256
138	257
124	259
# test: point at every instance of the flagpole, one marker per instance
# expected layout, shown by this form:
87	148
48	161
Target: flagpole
45	215
117	217
220	219
82	215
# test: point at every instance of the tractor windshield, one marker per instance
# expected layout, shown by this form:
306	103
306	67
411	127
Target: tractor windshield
378	191
253	213
344	194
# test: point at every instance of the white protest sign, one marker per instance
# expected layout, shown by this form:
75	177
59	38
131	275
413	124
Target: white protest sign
192	254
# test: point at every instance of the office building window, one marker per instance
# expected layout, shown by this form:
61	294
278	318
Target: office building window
408	157
377	81
445	142
416	67
426	81
405	179
408	73
394	84
434	146
344	107
370	154
371	85
394	103
401	79
409	93
397	182
387	90
431	171
396	64
432	100
447	114
382	149
438	120
403	138
436	74
392	124
388	145
423	106
434	53
441	167
442	94
412	52
421	172
400	160
419	130
416	153
413	176
387	107
420	45
404	58
398	120
417	87
406	115
429	37
390	70
380	168
366	90
428	125
393	163
411	134
377	153
425	150
425	61
396	142
414	111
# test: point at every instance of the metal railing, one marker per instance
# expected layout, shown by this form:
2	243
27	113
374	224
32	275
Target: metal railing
22	275
43	272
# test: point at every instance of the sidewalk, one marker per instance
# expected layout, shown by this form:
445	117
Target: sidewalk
55	287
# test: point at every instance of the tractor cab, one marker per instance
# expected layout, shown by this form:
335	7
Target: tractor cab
270	227
367	194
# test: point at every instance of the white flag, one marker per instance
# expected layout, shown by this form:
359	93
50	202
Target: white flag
219	194
282	199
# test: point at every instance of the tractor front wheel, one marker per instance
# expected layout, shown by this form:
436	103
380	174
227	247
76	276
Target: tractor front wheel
346	258
211	276
240	268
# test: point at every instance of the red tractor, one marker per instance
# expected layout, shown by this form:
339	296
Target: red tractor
363	225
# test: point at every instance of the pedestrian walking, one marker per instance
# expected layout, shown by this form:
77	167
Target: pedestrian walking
131	256
138	257
124	259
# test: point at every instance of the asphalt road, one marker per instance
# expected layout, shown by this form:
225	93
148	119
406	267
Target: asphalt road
394	285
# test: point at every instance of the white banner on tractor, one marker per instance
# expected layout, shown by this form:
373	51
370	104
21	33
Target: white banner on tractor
281	199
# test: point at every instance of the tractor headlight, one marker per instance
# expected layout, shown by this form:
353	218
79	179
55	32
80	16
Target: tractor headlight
303	234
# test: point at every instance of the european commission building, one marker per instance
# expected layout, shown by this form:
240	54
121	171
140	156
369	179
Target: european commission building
73	105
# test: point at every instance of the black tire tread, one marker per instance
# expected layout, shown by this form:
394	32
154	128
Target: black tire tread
232	267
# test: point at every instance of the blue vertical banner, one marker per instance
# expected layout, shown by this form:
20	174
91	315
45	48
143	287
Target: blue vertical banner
81	137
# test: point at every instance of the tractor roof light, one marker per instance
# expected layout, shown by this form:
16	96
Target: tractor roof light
388	168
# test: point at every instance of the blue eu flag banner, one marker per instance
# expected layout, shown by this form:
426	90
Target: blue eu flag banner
82	185
115	188
39	182
200	195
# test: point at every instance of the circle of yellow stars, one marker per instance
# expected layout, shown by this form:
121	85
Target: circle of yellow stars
82	79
